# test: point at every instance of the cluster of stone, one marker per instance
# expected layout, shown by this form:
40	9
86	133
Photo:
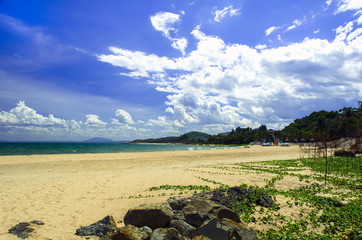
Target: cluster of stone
180	220
203	216
24	229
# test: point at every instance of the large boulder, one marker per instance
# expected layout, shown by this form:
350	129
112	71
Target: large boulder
130	232
183	228
197	211
225	229
166	234
224	212
151	215
100	228
230	197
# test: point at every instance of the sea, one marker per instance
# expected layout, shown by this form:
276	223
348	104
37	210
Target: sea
35	148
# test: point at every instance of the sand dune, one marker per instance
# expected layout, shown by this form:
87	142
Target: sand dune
72	190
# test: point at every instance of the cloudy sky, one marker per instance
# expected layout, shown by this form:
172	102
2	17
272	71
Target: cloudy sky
72	70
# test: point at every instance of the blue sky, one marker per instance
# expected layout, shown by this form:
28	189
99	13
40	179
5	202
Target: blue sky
72	70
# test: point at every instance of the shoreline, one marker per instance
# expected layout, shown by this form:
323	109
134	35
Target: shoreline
67	191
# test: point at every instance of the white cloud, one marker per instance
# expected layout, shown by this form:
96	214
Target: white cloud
234	84
94	121
164	22
123	117
347	5
270	30
22	115
226	11
24	123
296	23
160	121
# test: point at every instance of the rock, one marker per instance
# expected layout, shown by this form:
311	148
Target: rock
225	229
178	204
21	230
130	232
330	202
37	222
166	234
183	228
241	230
100	228
197	211
265	201
178	215
211	230
224	212
201	237
230	197
151	215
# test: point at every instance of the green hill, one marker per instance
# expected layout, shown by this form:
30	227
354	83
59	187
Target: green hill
191	137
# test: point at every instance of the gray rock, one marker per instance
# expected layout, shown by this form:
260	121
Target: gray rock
240	230
151	215
178	204
230	197
178	215
265	201
100	228
130	232
183	228
22	230
225	229
224	212
37	222
166	234
197	211
201	237
211	230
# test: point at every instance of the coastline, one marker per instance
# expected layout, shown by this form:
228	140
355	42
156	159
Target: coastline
67	191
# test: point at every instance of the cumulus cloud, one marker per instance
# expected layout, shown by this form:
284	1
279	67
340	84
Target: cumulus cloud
23	115
94	121
234	84
165	22
123	117
347	5
30	125
226	11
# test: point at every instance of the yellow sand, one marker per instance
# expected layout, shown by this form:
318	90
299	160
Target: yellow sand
72	190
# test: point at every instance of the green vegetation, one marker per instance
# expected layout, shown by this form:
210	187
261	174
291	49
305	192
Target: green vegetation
306	209
319	217
321	126
188	138
203	188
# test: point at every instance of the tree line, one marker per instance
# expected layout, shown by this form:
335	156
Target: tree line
318	126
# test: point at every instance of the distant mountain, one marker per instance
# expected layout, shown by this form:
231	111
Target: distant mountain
98	140
191	137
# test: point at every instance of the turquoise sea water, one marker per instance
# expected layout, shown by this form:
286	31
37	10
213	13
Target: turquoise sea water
17	148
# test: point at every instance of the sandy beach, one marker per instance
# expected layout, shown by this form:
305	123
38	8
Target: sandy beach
71	190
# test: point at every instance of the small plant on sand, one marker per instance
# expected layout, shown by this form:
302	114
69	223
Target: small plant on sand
203	188
318	217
